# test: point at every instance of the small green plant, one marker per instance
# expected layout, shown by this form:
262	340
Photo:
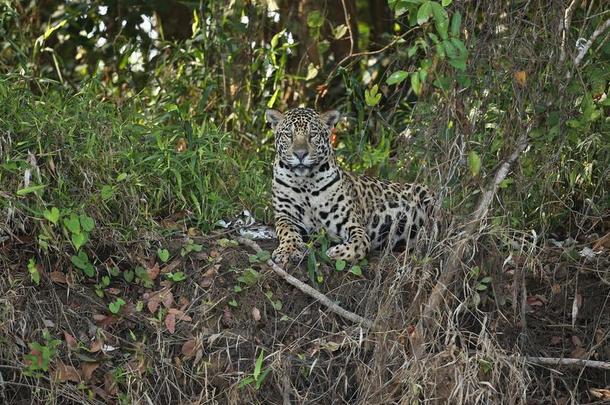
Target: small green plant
41	355
259	257
482	285
33	270
101	286
163	255
249	277
258	375
143	277
116	305
189	247
81	261
276	303
176	277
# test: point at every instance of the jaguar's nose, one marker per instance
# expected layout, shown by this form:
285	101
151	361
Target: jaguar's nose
300	154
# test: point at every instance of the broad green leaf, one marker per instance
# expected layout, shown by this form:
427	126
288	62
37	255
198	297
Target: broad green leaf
397	77
416	83
356	270
107	192
121	177
340	265
445	3
339	31
87	223
312	72
424	12
72	223
128	275
441	19
33	270
315	19
474	163
456	21
79	239
51	215
115	306
163	255
371	97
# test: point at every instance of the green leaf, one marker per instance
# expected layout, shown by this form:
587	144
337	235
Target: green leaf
416	83
79	239
51	215
258	365
339	31
72	223
474	163
121	177
424	12
273	98
357	270
115	306
129	275
315	19
107	192
481	287
177	277
33	270
372	96
456	21
87	223
263	255
249	277
445	3
312	72
397	77
441	19
31	189
233	303
340	265
163	255
82	262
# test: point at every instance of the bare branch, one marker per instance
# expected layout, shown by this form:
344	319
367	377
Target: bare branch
552	361
323	299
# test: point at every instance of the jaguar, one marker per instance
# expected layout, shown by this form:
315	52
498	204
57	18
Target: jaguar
312	192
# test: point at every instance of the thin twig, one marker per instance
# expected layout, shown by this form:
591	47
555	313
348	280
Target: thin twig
555	361
323	299
565	26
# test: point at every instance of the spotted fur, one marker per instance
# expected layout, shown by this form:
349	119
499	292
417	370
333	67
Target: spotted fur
311	192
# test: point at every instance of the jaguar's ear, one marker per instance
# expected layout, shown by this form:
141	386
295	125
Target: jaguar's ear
330	118
273	117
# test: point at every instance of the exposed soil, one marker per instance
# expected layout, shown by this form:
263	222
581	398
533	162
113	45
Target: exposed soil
216	331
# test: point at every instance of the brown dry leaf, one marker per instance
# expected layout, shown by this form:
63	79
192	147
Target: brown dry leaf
181	145
70	341
599	336
256	314
556	288
212	271
153	303
167	298
64	373
188	348
180	315
579	353
576	341
87	370
535	301
556	340
600	393
58	277
153	272
183	302
206	282
96	346
521	78
170	322
113	290
227	316
602	243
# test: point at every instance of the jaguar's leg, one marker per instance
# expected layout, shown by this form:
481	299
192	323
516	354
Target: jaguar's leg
291	246
355	247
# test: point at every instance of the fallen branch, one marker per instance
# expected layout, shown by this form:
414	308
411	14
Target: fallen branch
555	361
581	54
323	299
440	292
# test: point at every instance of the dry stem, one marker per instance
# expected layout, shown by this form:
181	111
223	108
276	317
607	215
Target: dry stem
555	361
323	299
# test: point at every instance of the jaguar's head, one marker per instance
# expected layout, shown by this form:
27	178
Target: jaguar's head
302	138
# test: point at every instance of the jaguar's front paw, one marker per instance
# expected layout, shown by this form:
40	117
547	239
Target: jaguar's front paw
286	253
345	252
